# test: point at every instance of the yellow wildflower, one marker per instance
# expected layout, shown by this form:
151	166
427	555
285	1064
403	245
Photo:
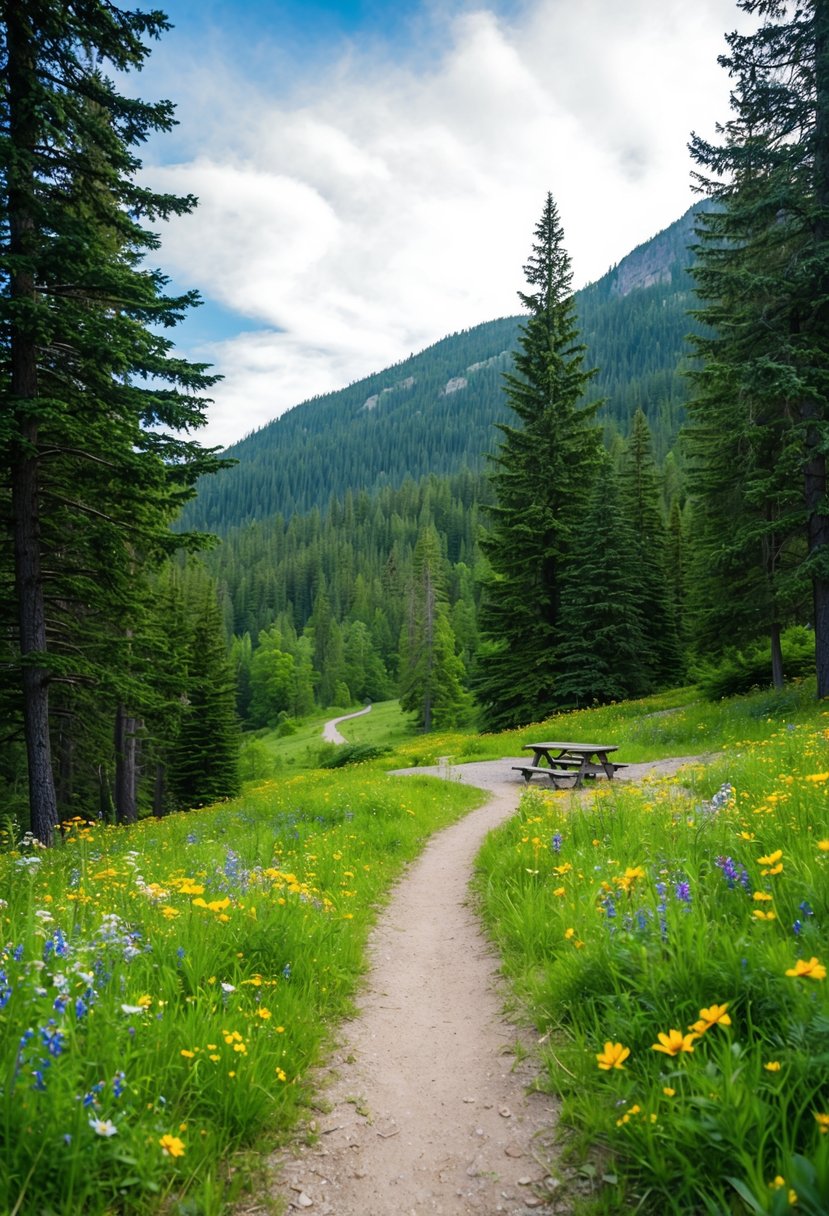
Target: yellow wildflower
172	1146
713	1016
772	1066
822	1122
772	858
613	1056
812	969
674	1042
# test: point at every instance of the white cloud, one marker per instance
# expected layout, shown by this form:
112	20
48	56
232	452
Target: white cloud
396	201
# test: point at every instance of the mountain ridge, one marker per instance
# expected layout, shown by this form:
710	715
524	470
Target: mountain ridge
437	410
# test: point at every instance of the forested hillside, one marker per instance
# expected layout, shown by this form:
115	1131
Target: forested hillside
434	412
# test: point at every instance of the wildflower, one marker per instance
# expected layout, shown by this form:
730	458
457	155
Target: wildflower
145	1001
668	1091
772	1066
103	1127
613	1056
733	872
132	1009
812	969
682	891
171	1146
822	1122
713	1016
759	914
772	858
674	1042
188	1055
280	1074
761	897
823	845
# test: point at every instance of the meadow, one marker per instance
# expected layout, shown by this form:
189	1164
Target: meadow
165	989
668	941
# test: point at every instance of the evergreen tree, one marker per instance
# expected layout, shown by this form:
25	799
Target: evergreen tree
640	494
604	607
542	476
204	763
762	405
89	384
431	673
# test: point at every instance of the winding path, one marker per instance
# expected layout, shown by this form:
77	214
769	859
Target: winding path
426	1110
330	733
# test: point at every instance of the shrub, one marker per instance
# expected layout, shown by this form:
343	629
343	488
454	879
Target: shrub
740	671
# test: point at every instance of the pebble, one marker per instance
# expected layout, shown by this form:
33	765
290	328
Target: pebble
304	1201
513	1150
505	1112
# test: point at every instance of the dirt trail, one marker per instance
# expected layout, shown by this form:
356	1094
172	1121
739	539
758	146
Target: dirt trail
428	1111
329	731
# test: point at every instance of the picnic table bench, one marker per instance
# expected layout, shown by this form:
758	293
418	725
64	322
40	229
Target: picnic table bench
561	761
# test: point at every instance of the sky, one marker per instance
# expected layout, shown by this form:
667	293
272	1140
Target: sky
369	174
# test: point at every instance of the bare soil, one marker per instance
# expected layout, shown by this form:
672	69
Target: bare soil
427	1103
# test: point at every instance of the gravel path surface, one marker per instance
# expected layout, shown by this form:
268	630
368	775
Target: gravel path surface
426	1110
330	733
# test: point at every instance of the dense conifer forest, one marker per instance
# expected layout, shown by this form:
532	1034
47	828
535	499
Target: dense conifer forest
636	471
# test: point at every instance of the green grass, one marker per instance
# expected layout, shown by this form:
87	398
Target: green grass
385	724
641	910
164	989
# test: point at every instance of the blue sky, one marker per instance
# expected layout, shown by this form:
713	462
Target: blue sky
370	174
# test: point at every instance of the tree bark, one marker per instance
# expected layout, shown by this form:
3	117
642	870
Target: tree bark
815	468
776	656
28	578
126	805
159	790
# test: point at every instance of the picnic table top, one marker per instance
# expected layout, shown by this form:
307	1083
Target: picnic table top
590	748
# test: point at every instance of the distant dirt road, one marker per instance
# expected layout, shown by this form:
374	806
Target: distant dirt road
330	733
425	1110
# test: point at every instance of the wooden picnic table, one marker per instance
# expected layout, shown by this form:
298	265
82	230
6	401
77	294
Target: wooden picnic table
558	761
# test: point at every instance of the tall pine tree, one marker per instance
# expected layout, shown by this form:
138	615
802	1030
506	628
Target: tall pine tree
90	388
541	477
763	272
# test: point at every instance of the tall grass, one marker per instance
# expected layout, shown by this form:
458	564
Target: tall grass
670	939
164	989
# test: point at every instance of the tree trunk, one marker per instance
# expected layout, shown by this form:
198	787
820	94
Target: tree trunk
776	657
815	470
159	790
126	806
28	579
